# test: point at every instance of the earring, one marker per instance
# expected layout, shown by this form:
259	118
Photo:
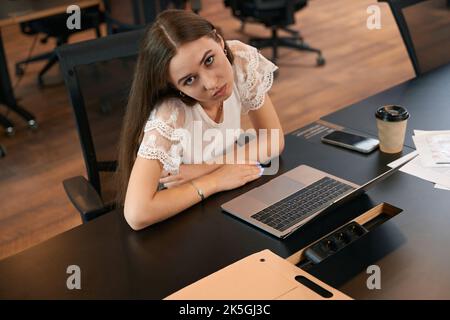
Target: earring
225	51
182	94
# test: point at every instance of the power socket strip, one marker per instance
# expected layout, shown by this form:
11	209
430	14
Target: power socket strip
335	242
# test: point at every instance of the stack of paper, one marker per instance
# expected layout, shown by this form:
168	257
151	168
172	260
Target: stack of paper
433	162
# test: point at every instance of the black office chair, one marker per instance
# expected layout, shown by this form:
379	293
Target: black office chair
98	75
128	15
425	29
196	5
7	124
123	16
55	27
275	14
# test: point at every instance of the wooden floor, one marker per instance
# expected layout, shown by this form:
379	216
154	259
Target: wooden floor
360	62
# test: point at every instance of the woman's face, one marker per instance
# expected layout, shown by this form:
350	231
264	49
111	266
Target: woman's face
201	70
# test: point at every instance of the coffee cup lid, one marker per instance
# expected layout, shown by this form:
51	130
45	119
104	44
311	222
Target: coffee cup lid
392	113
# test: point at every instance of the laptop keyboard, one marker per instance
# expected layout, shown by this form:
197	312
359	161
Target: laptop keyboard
298	206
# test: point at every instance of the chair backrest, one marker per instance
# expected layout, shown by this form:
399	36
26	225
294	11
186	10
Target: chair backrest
425	29
267	11
98	75
127	15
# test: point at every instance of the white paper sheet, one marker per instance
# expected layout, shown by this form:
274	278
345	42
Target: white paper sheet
433	147
438	186
440	176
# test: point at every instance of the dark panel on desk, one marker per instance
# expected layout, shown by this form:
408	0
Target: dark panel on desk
427	99
411	249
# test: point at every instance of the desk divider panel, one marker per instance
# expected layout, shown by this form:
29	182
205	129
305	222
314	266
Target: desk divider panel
339	238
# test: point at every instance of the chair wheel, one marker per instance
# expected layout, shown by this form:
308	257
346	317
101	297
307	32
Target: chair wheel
32	124
10	131
19	71
320	61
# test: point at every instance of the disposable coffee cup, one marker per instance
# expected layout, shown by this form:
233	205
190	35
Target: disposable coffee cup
391	123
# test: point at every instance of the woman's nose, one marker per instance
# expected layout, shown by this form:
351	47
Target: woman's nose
210	83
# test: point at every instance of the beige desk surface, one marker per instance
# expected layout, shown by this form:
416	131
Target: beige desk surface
17	11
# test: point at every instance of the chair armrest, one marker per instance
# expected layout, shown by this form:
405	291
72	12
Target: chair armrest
85	198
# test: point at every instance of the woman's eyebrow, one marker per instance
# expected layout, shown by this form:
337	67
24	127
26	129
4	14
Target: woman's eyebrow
201	62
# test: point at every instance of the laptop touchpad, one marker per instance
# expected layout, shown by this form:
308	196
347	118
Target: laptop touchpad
276	189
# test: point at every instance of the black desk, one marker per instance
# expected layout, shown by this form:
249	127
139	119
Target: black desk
427	98
117	262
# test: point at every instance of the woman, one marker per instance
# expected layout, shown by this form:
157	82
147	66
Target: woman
188	80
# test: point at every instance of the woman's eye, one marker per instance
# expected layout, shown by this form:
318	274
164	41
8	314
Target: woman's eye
209	60
189	81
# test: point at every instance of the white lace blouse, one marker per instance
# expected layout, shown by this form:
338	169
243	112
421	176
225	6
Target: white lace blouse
176	133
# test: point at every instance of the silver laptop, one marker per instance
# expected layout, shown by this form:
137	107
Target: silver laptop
287	202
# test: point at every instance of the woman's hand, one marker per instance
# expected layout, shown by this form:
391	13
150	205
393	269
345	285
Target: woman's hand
231	176
186	173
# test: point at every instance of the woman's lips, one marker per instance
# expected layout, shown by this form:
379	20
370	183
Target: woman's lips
221	91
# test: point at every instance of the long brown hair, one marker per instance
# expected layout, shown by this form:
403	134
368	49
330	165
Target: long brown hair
171	29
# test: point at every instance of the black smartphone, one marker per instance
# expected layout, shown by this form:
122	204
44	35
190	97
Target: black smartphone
351	141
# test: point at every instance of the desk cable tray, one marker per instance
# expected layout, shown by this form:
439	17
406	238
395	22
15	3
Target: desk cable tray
267	276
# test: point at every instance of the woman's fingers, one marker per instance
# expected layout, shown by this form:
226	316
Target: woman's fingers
255	171
254	168
169	185
170	179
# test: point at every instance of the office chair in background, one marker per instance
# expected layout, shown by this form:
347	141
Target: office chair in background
276	15
55	27
128	15
93	71
425	28
122	16
7	124
196	5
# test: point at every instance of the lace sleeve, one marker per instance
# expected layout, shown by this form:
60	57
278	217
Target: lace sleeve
254	75
163	134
